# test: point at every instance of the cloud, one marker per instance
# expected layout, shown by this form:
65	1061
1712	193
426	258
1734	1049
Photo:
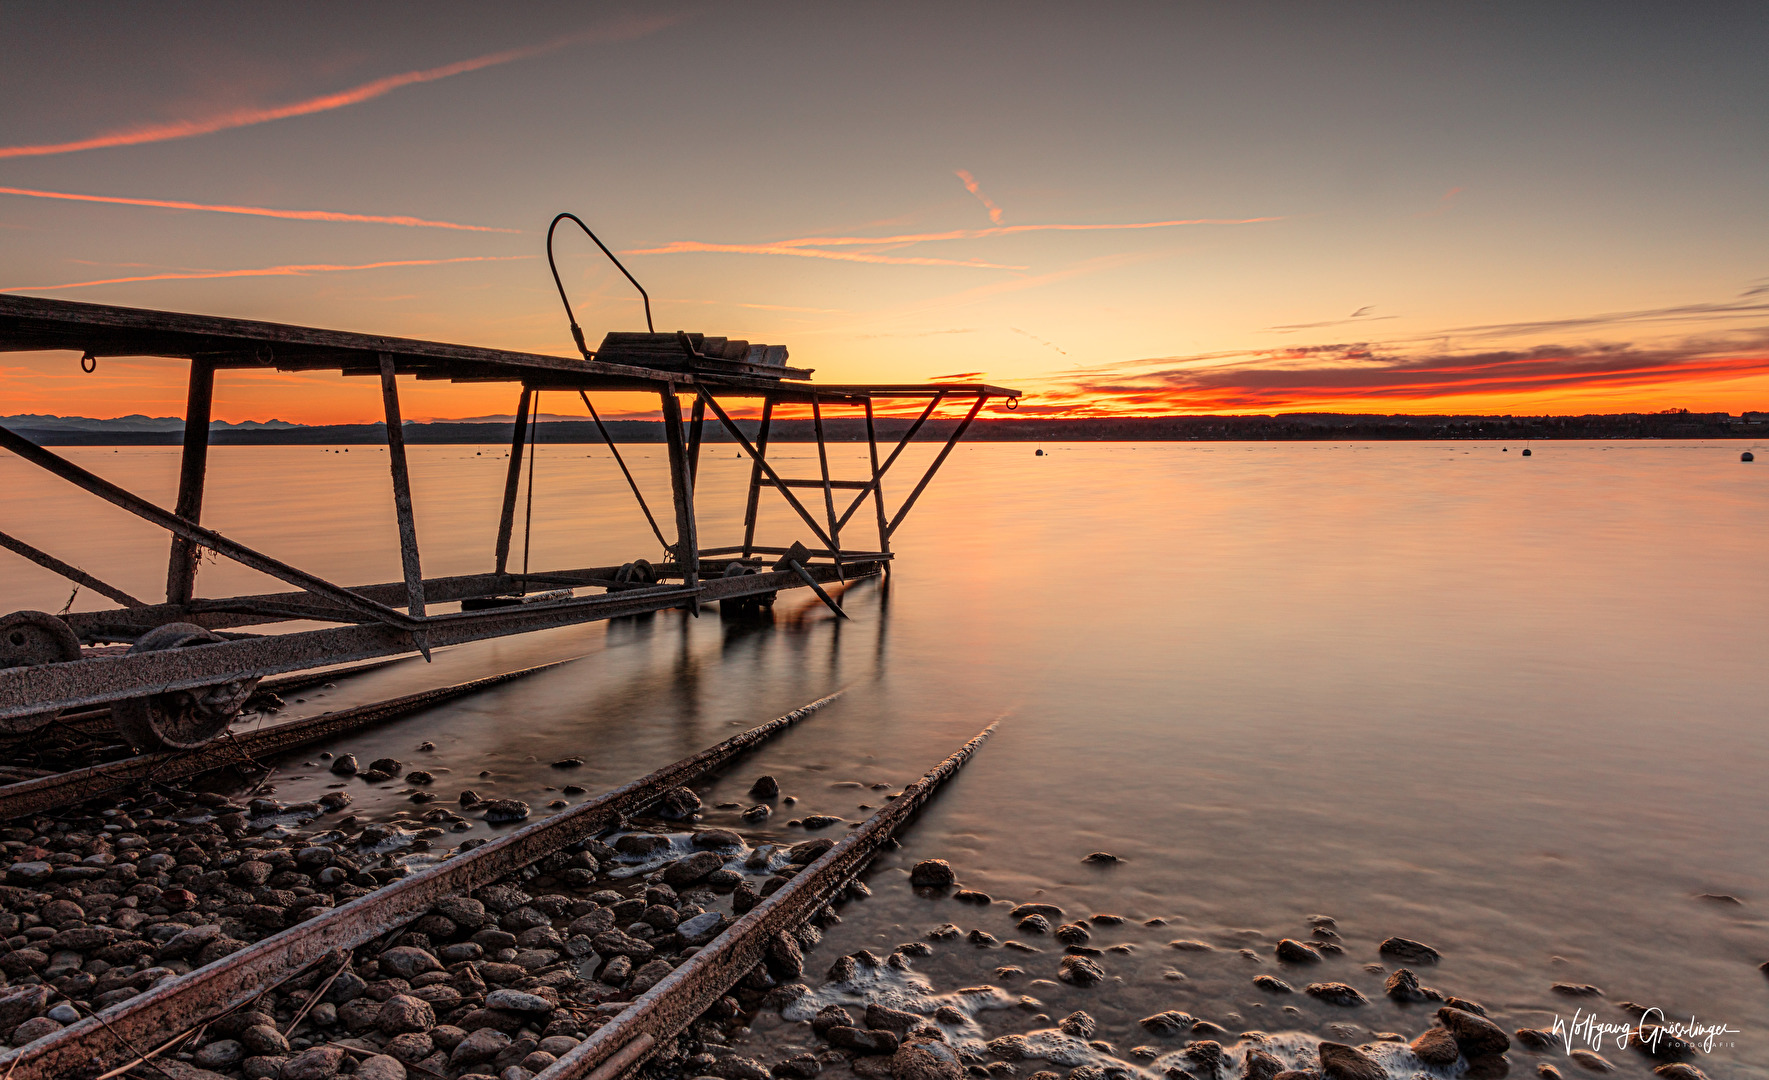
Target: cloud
625	30
1742	306
266	271
970	185
682	247
1360	315
255	211
1324	375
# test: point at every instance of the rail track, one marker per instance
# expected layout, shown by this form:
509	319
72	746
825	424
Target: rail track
77	785
114	1038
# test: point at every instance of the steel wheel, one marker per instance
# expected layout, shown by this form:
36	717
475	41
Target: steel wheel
180	719
30	638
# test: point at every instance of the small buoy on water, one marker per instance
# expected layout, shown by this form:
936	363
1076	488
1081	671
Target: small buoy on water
1504	449
1526	451
1040	453
1747	456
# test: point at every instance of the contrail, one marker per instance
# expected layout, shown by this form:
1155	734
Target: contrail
784	247
186	129
681	247
256	211
970	185
301	270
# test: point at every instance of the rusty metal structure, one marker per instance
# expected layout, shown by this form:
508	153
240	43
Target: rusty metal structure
190	664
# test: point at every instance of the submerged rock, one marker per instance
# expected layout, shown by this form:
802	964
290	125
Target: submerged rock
1342	1062
1408	951
1080	971
1476	1035
1335	993
1436	1046
1291	951
932	873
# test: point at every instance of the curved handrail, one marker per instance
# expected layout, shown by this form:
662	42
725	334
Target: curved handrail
577	333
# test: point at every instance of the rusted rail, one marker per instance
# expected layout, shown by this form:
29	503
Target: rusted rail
621	1045
106	1039
78	785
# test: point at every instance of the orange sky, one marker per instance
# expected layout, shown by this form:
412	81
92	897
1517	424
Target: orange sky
1169	210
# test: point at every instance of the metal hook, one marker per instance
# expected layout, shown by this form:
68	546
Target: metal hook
88	362
1012	404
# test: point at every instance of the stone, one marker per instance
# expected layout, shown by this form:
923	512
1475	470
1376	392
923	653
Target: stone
263	1040
925	1060
412	1046
463	911
1592	1060
758	813
1171	1022
33	1029
1342	1062
688	871
220	1054
504	811
701	928
1101	857
380	1067
346	987
1077	1024
717	838
1261	1065
1403	986
1476	1035
737	1068
319	1063
1677	1071
407	962
1048	911
619	943
765	787
932	873
29	873
1272	984
863	1040
809	851
402	1013
1080	971
1535	1038
649	975
519	1001
1335	993
1073	934
478	1048
344	765
186	942
1408	951
1291	951
263	1068
21	1003
678	803
1436	1046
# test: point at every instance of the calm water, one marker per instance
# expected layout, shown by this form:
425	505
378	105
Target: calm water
1510	707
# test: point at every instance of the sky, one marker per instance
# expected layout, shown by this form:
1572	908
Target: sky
1120	209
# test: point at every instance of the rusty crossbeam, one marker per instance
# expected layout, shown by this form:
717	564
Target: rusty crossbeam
767	469
31	690
689	990
78	785
939	459
104	1040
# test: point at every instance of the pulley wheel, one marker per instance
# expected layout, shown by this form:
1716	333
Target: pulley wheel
637	572
30	638
180	719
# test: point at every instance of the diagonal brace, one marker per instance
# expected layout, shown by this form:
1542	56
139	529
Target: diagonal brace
773	477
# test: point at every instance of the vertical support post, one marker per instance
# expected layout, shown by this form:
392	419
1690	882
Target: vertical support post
755	477
696	425
513	480
682	487
181	568
835	535
884	535
402	491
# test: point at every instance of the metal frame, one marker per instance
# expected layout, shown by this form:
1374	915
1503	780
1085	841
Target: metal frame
382	620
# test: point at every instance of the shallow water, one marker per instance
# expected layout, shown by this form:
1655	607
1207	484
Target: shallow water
1512	707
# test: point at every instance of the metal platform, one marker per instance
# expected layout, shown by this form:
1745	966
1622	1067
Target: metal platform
386	619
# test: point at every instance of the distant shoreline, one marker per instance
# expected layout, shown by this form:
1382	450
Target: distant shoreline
1308	427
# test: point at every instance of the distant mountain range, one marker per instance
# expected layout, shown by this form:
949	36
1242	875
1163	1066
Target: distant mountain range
169	430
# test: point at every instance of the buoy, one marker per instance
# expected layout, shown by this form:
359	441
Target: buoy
1504	449
1040	453
1526	451
1747	456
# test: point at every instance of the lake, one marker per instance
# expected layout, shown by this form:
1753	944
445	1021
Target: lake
1510	707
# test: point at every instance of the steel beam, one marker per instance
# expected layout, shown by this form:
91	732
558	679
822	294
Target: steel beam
767	469
402	490
896	452
513	480
940	459
755	476
877	482
181	568
687	548
72	573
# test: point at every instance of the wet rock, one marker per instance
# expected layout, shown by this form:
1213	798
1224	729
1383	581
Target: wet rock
863	1040
765	787
33	1029
1261	1065
319	1063
519	1001
932	873
1436	1046
263	1068
1168	1023
1291	951
407	963
809	851
1035	924
419	776
1342	1062
1592	1060
701	928
1072	934
1408	951
758	813
711	839
344	765
1080	971
387	765
649	975
678	803
819	821
925	1060
1476	1035
889	1019
1464	1004
784	959
504	811
1576	989
413	1046
21	1003
469	797
1656	1042
1403	986
685	872
345	988
1335	993
982	939
1534	1038
1101	858
1680	1072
